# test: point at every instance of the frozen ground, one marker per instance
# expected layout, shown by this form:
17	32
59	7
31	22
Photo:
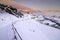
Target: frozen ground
28	28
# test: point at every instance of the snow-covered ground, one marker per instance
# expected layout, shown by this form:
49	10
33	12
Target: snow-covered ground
26	28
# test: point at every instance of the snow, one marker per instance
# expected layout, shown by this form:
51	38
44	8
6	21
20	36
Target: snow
6	33
28	29
6	19
47	21
35	31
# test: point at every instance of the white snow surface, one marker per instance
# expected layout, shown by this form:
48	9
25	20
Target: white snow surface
27	28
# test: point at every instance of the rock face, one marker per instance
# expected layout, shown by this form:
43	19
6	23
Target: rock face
11	10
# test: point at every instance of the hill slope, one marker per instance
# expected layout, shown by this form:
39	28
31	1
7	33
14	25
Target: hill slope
25	28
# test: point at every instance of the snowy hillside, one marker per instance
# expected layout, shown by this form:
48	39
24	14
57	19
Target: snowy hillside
29	27
52	20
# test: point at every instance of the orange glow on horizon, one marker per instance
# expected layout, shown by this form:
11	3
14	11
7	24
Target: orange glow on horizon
26	10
